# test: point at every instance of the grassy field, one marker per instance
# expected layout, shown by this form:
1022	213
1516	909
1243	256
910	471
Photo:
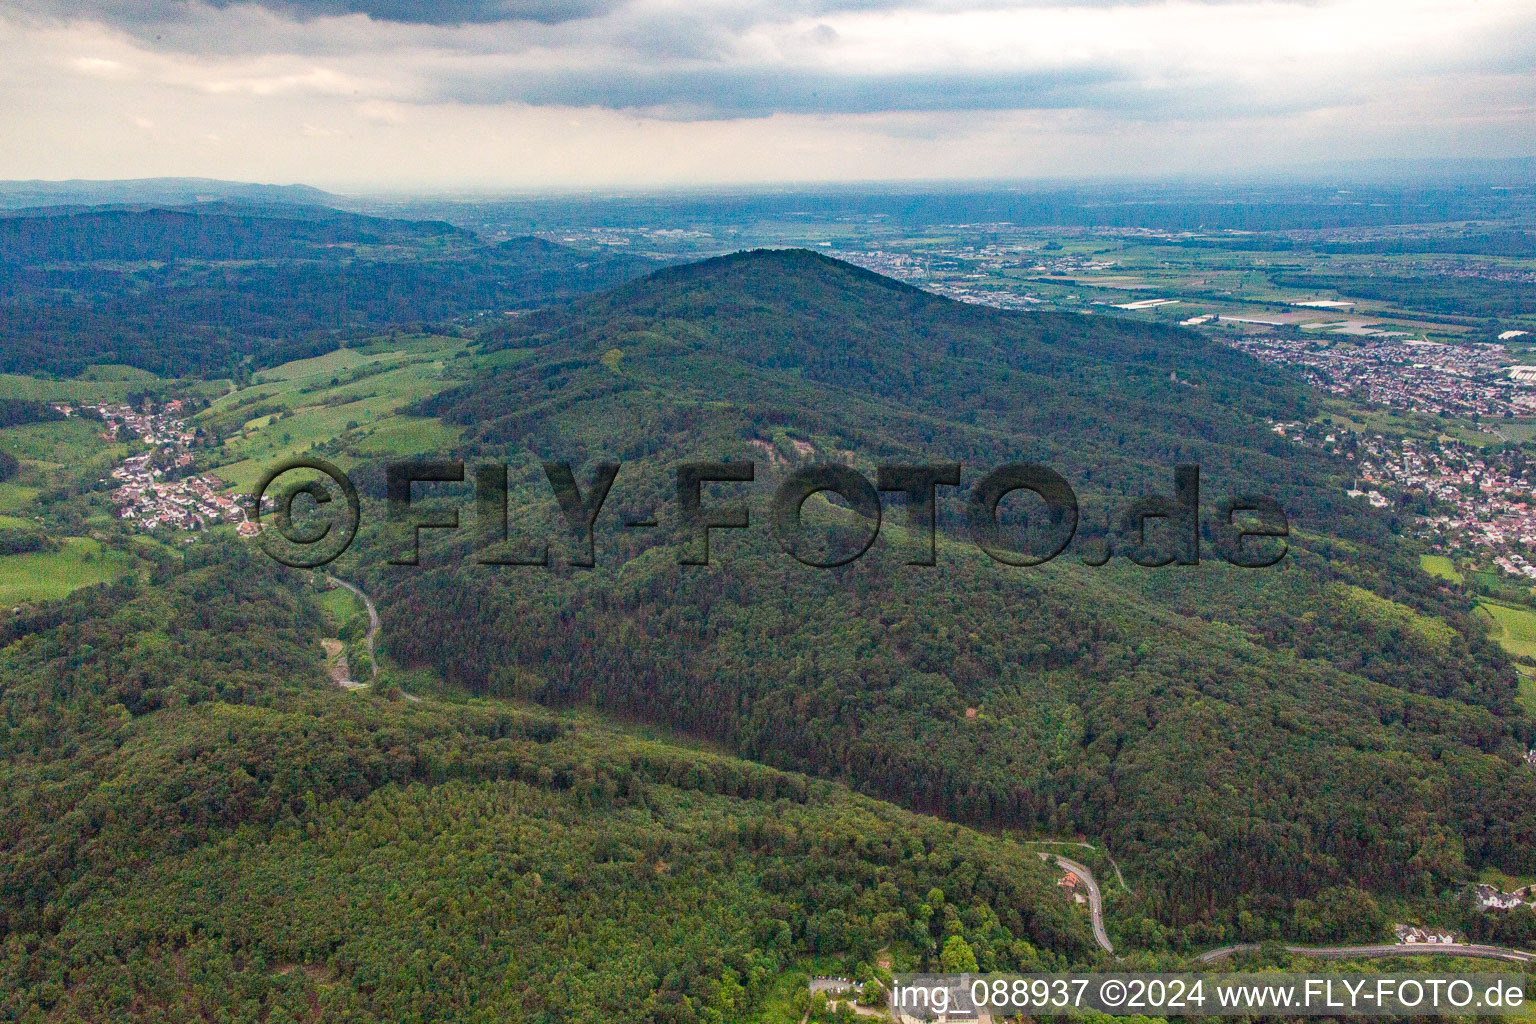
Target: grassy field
1515	627
61	442
14	496
351	395
52	454
341	606
1440	566
49	575
1489	578
328	365
406	435
1342	413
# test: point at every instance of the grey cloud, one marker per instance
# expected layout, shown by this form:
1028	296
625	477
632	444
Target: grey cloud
720	93
444	12
137	16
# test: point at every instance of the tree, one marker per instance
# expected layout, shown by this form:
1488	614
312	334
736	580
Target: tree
957	957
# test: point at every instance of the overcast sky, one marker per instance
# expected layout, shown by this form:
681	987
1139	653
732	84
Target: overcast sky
384	94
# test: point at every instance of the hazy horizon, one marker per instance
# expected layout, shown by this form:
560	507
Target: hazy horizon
1383	171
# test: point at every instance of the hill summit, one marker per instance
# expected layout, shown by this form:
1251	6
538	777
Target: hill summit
1212	725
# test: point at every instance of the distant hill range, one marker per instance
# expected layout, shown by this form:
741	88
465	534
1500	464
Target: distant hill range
87	192
214	287
210	231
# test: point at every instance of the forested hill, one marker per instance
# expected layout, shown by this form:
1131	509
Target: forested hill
215	231
1272	751
222	288
894	371
163	191
194	824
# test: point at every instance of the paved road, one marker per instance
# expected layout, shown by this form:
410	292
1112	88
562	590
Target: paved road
1384	949
1095	902
373	627
1086	846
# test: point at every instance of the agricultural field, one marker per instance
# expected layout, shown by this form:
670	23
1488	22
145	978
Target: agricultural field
61	443
349	402
341	606
1393	279
53	455
1440	567
106	383
1516	631
15	497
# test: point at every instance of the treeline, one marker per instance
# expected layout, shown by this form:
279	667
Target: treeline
16	411
15	541
1474	296
1511	244
214	231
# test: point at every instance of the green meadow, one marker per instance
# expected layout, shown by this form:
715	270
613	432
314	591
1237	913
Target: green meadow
1440	566
60	443
1514	629
106	383
350	401
14	497
52	454
49	575
341	606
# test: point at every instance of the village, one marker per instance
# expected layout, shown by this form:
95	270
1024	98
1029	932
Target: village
1471	498
1389	369
1491	897
1481	500
155	488
1462	497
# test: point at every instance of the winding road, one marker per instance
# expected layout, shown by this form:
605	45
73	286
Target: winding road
1095	901
373	627
1382	949
1086	846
